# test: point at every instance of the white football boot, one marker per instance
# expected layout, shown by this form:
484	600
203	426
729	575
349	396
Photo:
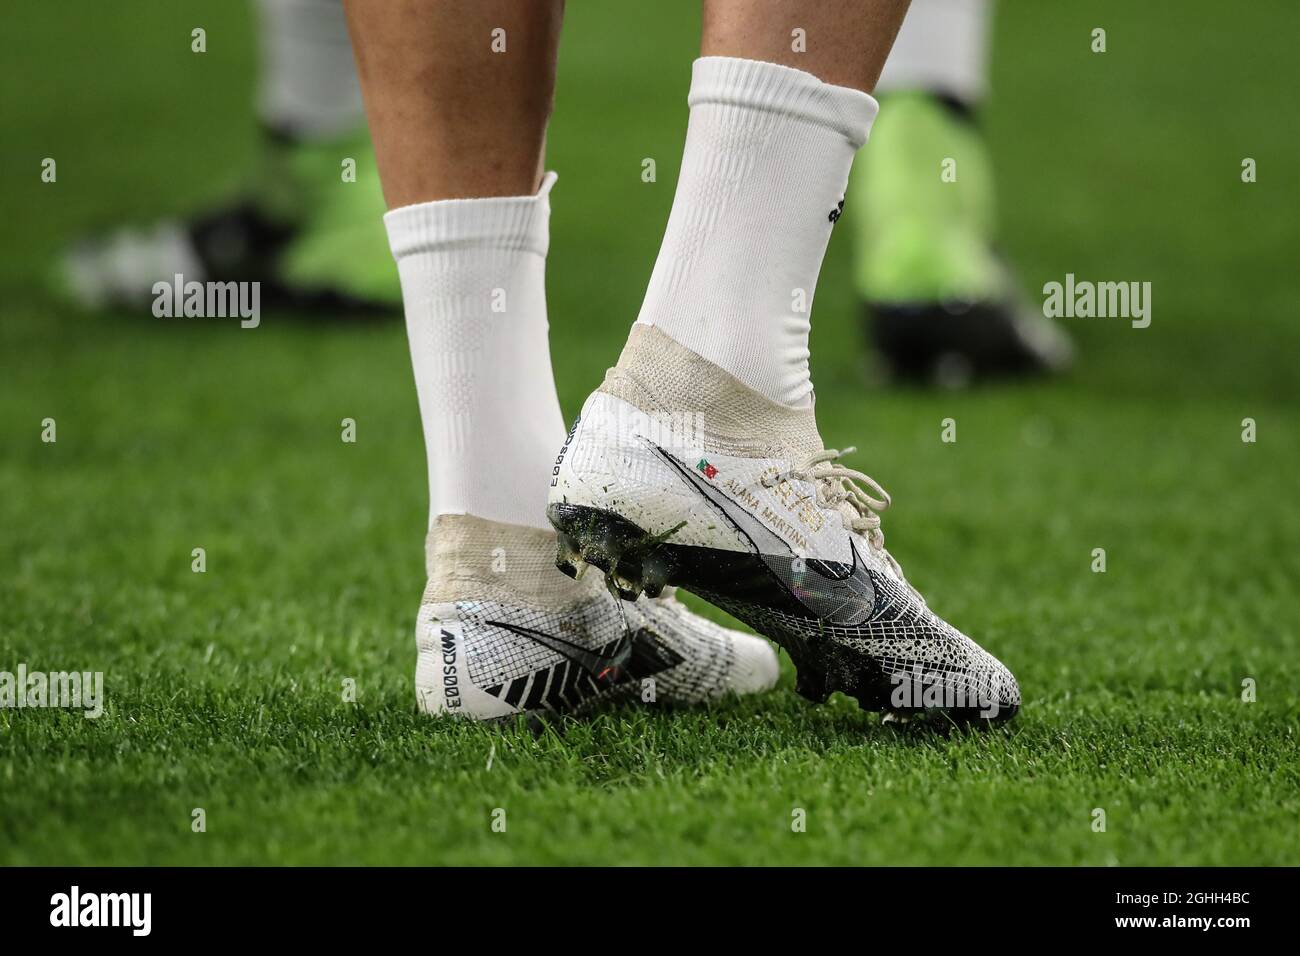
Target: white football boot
501	632
676	473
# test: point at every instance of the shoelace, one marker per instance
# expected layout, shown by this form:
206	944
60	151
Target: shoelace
837	484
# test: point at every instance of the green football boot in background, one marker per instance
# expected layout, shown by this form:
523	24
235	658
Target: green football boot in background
940	305
313	239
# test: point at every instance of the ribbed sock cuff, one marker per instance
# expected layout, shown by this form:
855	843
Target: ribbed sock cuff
505	223
730	81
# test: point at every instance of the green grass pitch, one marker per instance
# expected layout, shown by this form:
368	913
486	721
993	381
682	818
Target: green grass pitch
224	688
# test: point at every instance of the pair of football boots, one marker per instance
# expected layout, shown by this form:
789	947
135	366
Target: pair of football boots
676	474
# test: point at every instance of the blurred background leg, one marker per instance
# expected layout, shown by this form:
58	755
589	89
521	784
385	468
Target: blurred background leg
305	222
937	299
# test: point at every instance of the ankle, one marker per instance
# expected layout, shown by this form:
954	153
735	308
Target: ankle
474	559
686	395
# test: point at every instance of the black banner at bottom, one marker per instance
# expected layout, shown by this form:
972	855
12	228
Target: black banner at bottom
918	907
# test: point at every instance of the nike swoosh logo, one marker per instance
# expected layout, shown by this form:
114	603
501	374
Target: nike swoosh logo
602	667
830	590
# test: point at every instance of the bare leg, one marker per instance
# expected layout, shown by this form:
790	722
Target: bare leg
845	41
453	115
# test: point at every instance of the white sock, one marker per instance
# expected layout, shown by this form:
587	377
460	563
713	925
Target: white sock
473	283
941	48
308	86
768	151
